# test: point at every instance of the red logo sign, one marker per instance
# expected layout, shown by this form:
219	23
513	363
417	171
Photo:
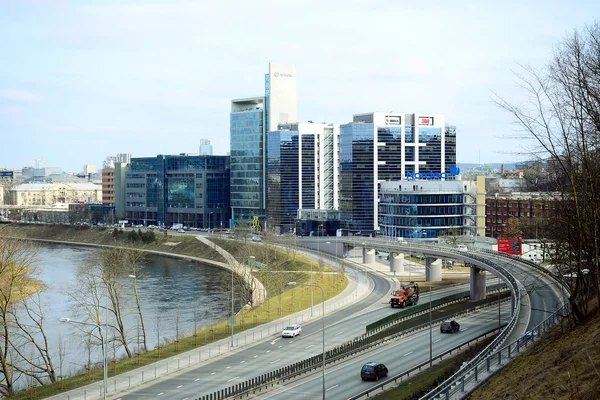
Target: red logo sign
512	246
426	121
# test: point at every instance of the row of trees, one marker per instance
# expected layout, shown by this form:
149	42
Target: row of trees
561	118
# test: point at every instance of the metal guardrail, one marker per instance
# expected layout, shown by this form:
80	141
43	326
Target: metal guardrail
359	344
418	368
424	307
472	373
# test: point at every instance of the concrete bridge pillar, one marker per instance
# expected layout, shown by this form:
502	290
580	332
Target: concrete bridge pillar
397	263
433	269
477	283
368	256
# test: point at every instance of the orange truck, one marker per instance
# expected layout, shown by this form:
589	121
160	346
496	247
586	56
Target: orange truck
405	296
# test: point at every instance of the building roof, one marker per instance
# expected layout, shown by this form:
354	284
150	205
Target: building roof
50	186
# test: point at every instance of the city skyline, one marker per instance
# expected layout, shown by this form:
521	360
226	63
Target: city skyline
92	79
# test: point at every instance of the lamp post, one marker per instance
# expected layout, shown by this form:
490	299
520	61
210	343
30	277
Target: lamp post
323	322
430	320
104	366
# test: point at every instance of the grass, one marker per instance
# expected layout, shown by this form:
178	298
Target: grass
186	244
564	364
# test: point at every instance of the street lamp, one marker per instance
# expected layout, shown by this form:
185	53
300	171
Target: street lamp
430	320
104	366
322	319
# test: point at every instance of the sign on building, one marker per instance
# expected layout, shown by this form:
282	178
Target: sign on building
513	246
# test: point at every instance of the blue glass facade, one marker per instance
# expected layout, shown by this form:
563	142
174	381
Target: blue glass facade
283	178
420	215
431	153
247	165
192	190
357	176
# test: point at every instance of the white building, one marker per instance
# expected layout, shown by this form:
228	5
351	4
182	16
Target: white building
431	208
45	194
89	169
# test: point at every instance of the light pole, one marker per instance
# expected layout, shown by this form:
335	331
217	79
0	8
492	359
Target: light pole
430	320
322	319
104	366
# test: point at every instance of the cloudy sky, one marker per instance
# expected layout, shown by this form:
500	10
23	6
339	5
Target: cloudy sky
81	80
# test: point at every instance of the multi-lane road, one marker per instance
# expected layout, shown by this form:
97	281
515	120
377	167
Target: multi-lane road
276	352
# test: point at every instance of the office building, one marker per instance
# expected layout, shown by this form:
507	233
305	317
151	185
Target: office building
302	167
250	120
108	186
206	149
89	169
178	189
378	147
426	209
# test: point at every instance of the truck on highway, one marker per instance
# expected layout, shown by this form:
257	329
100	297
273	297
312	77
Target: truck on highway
405	296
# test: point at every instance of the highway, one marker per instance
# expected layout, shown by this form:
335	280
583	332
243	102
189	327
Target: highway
345	324
343	379
276	352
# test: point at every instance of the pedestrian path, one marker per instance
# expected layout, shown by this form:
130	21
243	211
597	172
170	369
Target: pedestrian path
165	369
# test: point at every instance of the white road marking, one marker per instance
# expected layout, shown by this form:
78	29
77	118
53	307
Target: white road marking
186	398
273	362
233	379
243	361
464	329
160	394
333	387
228	367
435	341
255	356
339	333
308	347
213	373
280	346
273	342
409	353
196	380
268	351
179	387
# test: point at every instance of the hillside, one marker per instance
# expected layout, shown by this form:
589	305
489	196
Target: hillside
564	364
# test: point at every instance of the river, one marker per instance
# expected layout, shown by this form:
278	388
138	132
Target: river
171	291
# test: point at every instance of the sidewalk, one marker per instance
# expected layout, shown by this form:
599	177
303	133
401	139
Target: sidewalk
170	367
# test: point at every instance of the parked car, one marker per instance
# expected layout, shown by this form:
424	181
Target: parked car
373	371
449	326
291	331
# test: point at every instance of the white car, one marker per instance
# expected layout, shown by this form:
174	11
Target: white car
291	331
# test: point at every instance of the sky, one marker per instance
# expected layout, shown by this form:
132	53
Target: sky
82	80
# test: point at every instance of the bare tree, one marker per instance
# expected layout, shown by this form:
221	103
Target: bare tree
562	116
135	259
17	282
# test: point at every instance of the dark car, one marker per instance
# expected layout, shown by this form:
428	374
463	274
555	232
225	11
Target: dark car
449	326
373	371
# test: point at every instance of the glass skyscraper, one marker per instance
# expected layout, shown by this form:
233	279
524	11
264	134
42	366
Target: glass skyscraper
301	165
378	147
250	120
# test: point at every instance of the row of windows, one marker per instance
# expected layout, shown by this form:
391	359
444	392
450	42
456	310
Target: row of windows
420	210
136	185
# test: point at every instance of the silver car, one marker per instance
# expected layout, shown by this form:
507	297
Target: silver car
291	331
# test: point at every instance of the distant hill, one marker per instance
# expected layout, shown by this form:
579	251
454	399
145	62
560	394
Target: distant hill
465	166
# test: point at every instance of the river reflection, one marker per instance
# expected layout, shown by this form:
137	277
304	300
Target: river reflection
171	293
